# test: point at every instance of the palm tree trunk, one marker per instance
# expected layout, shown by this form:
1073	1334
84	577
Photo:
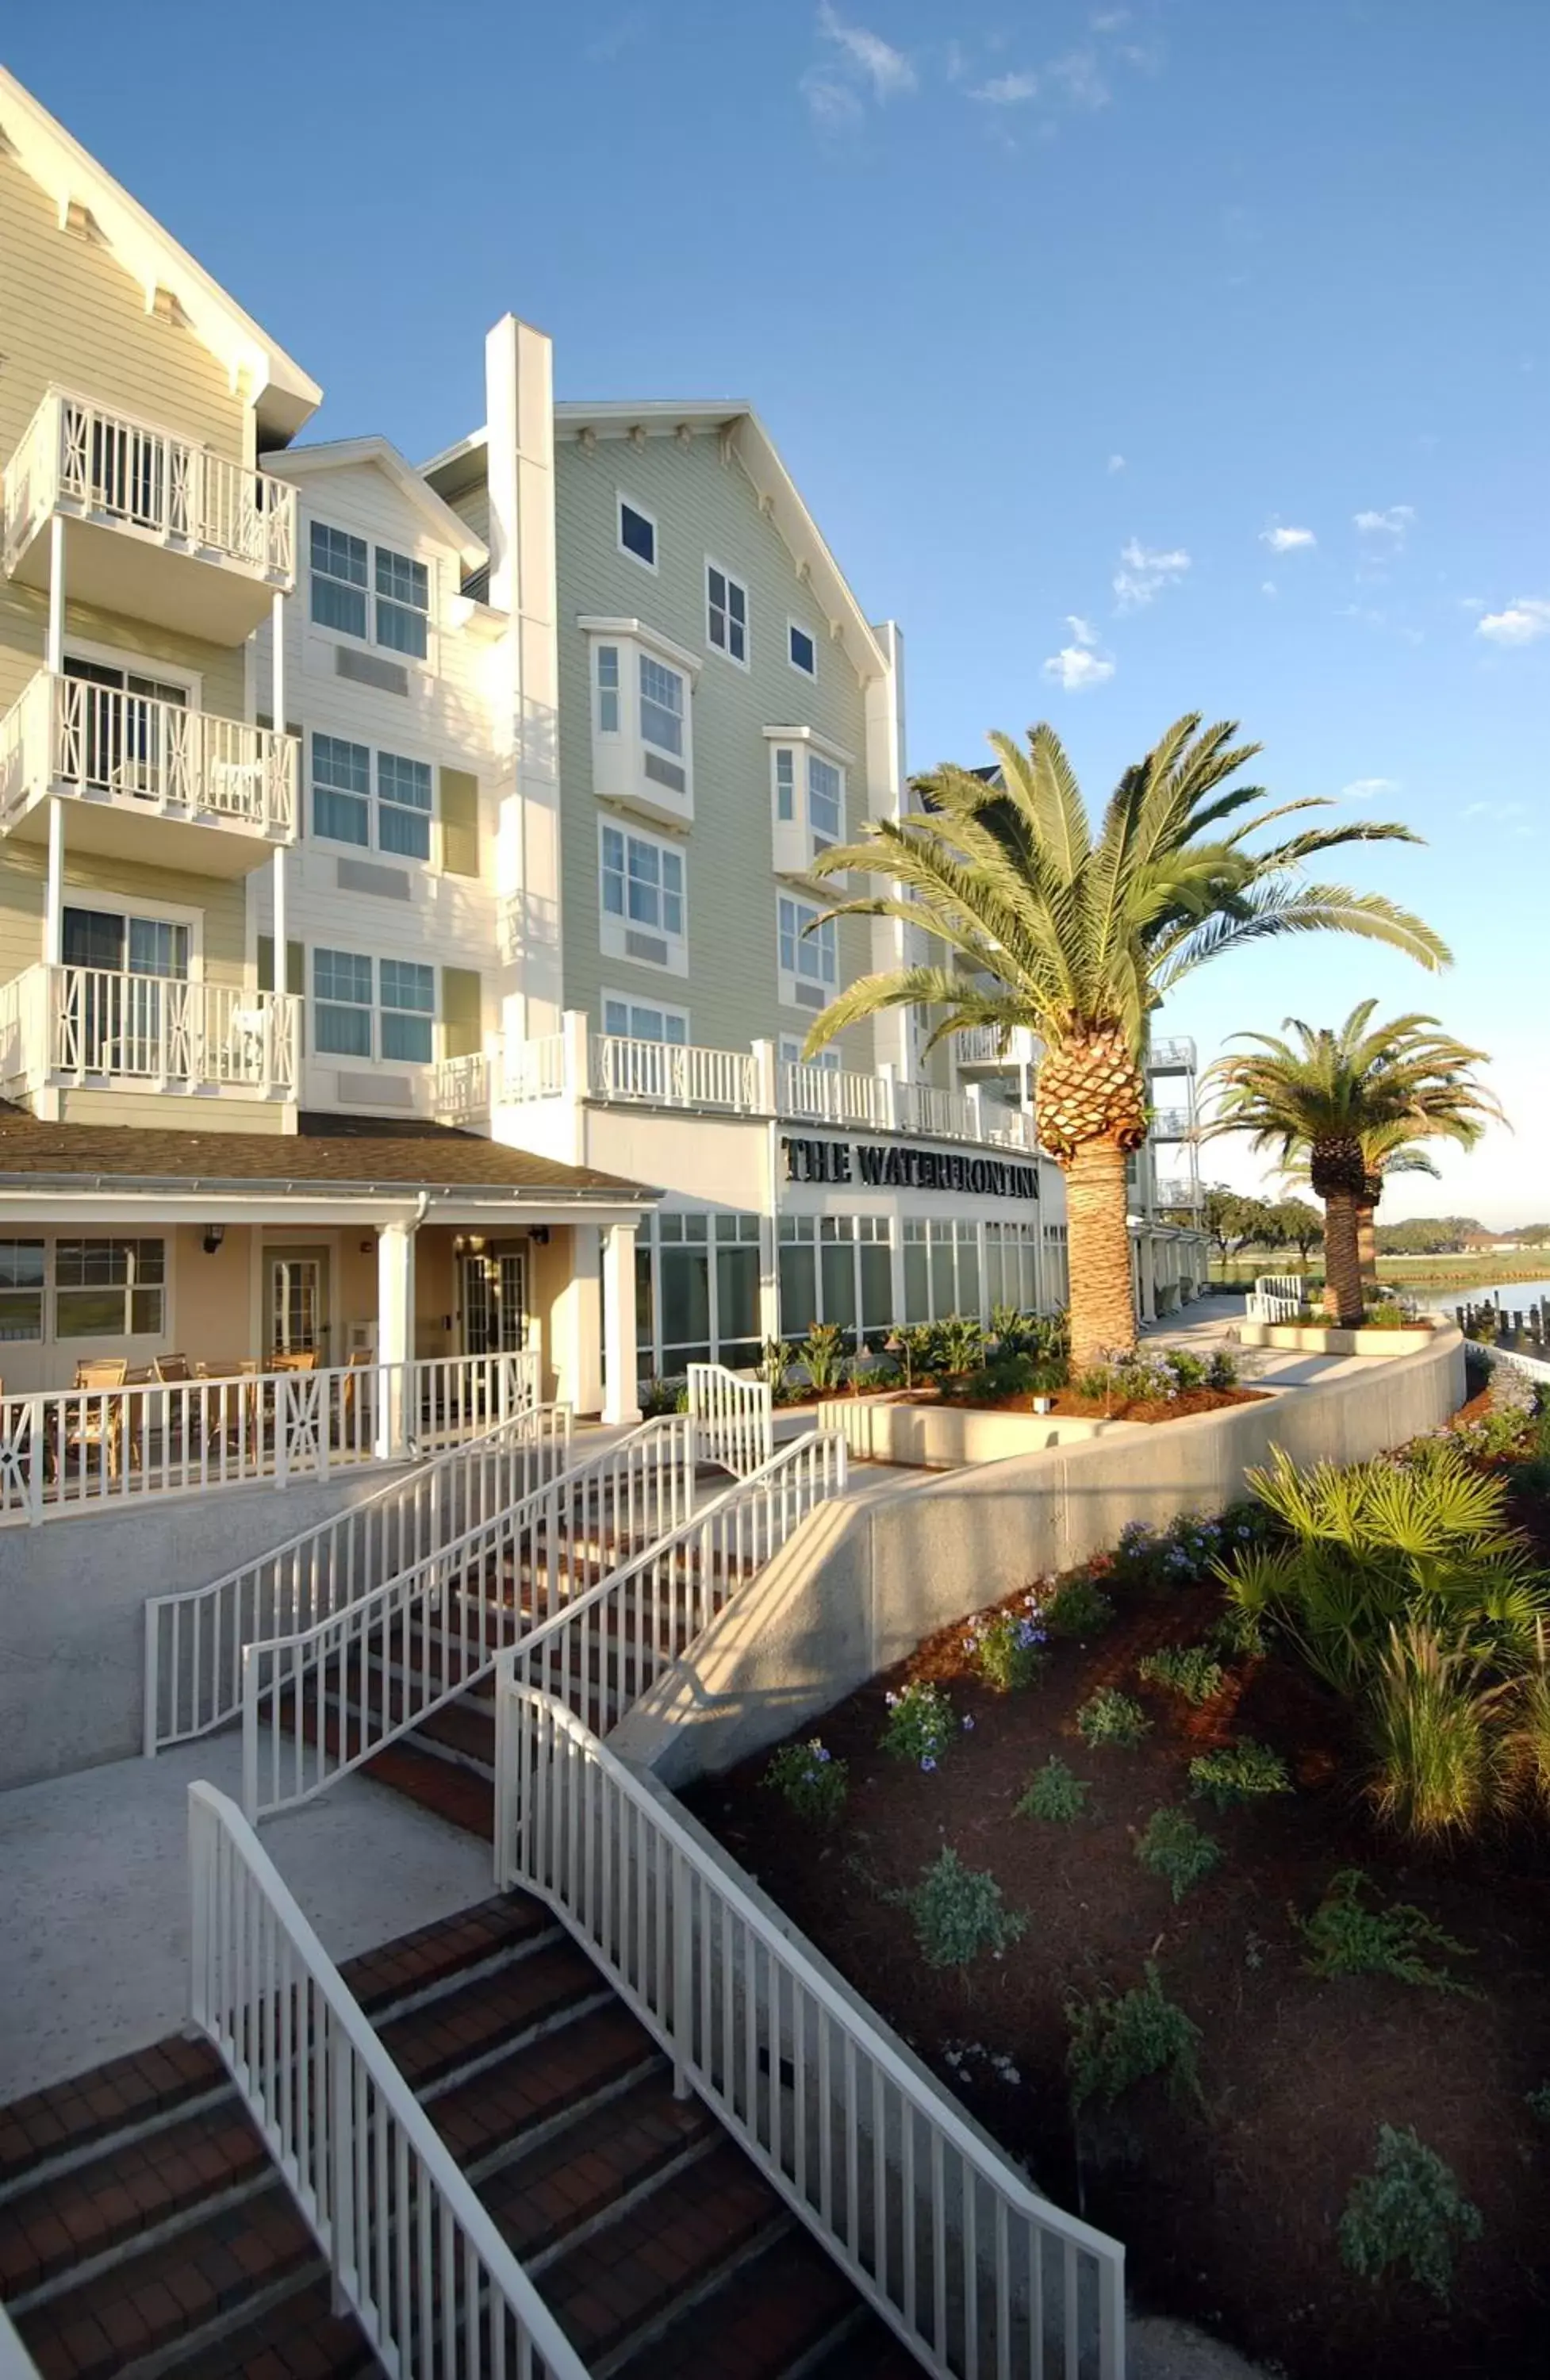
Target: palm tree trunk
1342	1261
1102	1301
1367	1244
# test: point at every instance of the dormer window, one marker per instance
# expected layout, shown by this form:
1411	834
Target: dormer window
642	726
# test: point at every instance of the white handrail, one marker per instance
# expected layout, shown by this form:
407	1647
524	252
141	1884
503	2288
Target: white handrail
735	1417
333	1689
412	2251
970	2266
194	1640
604	1648
1276	1297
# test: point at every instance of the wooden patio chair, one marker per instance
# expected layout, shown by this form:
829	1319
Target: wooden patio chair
101	1422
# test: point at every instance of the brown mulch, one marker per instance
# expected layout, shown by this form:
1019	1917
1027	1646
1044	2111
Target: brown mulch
1150	1409
1229	2213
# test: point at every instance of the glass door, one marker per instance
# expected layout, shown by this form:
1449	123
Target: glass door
297	1321
119	729
111	1024
492	1297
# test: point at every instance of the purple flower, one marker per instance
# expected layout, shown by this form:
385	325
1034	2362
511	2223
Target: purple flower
927	1763
968	1723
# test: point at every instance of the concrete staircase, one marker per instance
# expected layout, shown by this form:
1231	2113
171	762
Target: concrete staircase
144	2228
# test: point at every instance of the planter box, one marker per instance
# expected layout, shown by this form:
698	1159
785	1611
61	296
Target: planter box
1323	1339
945	1437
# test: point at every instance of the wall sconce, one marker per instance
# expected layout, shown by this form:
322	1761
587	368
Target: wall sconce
468	1243
539	1235
214	1234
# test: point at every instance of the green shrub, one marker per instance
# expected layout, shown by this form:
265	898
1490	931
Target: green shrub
958	1912
774	1365
823	1356
1238	1772
1538	2103
1009	1648
1408	2211
916	1352
920	1724
810	1781
962	1343
1345	1936
1191	1371
1119	2039
1173	1847
1009	1376
1438	1761
1239	1634
1109	1717
1053	1791
1222	1371
1076	1608
1188	1669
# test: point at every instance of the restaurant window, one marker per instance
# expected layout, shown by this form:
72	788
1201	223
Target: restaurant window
22	1290
109	1289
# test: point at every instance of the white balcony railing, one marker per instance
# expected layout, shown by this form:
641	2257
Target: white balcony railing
460	1088
68	1028
837	1095
1173	1124
77	457
673	1075
100	744
1175	1056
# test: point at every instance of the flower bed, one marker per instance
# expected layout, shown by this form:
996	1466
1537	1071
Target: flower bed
1308	2102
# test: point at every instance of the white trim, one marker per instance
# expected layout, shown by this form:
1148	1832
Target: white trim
613	928
366	950
603	628
822	744
157	912
809	677
339	844
786	979
636	1000
731	579
324	632
85	649
620	499
302	463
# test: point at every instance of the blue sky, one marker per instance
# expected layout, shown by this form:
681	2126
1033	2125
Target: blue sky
1181	354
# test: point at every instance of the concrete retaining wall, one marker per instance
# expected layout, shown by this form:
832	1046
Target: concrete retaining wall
864	1579
1326	1339
943	1438
72	1601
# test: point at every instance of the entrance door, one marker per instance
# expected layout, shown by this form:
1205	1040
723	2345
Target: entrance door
119	1016
492	1294
297	1316
124	734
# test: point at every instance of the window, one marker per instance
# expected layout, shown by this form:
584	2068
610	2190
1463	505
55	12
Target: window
343	589
342	1012
809	953
403	806
338	580
108	1289
726	608
809	796
698	1291
941	1269
662	706
825	792
22	1290
629	1020
408	1007
1012	1265
402	603
642	881
836	1268
827	1061
785	784
608	689
637	533
341	790
801	650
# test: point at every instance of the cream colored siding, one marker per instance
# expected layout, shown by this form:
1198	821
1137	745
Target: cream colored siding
472	505
151	1111
219	901
23	622
72	317
703	506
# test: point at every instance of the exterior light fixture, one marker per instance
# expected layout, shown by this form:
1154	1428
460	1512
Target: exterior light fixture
214	1234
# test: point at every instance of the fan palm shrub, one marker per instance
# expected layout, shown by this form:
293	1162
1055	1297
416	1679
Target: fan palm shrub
1078	931
1348	1100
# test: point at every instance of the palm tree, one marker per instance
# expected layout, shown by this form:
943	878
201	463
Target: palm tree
1386	1150
1351	1102
1079	935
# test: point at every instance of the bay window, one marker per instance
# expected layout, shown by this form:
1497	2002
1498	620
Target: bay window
642	719
807	798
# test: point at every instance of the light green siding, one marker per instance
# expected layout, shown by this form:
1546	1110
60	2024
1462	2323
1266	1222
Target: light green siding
703	506
219	900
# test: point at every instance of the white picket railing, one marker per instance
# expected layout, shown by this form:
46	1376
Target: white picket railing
734	1418
973	2269
75	1026
533	1070
604	1648
66	1449
412	2251
194	1640
1276	1297
460	1087
77	456
100	744
673	1075
836	1095
333	1684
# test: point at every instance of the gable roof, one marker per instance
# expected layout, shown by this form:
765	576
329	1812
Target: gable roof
284	395
734	420
302	462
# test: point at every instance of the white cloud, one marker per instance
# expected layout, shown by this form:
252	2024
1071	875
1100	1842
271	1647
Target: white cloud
1393	523
1144	570
1286	540
1007	90
1268	586
1079	666
1116	463
1080	76
1369	789
886	71
1499	813
1521	622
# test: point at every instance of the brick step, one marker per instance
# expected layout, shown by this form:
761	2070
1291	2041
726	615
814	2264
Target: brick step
137	2184
617	2287
869	2352
50	2130
452	1792
224	2268
769	2318
451	1948
581	2179
300	2338
483	2021
504	2109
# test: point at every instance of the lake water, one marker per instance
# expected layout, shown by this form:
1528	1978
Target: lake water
1513	1296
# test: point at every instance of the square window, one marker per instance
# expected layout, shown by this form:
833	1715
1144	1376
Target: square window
408	993
637	534
726	606
812	956
802	651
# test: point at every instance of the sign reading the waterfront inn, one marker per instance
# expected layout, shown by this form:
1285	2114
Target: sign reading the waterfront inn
892	1168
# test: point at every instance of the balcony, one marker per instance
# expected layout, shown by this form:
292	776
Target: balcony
1173	1124
1171	1057
162	529
125	761
982	1047
460	1089
85	1028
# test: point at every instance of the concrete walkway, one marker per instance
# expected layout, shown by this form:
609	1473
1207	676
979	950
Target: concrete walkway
1212	1323
94	1890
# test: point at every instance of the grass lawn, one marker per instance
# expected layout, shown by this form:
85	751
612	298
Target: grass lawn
1228	2204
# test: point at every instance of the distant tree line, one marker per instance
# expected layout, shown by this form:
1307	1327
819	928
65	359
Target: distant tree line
1235	1220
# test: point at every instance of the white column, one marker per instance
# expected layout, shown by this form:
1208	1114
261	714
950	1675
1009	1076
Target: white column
53	895
765	1081
578	1326
54	648
621	1402
277	699
395	1326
